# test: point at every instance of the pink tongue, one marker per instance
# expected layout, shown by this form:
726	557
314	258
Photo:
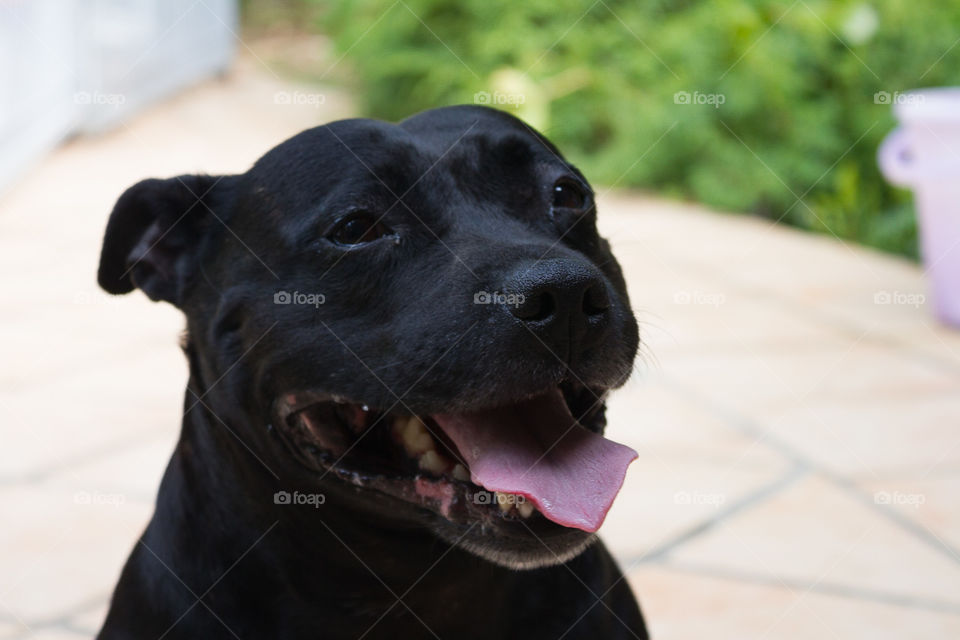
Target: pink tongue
536	449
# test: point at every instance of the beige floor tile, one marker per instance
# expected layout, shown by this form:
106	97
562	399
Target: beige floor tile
675	227
870	439
67	547
886	311
839	287
934	338
686	606
91	620
897	317
691	469
756	253
665	497
815	267
813	533
761	383
930	499
679	307
56	632
659	420
698	318
106	405
134	471
10	629
43	353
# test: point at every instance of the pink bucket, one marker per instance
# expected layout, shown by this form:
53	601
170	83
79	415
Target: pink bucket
924	155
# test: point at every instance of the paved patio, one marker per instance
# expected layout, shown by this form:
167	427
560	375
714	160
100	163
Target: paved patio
797	410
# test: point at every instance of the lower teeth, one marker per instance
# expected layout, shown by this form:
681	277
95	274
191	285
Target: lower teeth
525	508
513	503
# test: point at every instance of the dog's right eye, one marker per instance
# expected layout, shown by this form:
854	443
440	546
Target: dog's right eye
358	228
567	194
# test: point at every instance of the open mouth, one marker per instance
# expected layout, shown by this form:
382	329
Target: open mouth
542	457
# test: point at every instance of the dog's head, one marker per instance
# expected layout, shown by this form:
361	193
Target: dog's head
424	314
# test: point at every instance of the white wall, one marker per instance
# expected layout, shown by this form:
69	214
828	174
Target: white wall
86	65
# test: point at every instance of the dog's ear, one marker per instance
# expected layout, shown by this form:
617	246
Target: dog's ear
154	234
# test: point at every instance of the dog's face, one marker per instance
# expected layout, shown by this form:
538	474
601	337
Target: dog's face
423	313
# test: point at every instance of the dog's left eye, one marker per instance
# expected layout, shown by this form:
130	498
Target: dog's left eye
358	228
567	194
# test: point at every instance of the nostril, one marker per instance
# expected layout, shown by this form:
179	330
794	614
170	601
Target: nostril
595	300
535	307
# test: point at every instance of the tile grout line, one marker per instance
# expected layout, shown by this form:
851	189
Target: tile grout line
767	491
834	589
751	428
853	490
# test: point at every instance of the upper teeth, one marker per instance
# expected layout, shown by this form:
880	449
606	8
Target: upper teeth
420	445
414	435
434	462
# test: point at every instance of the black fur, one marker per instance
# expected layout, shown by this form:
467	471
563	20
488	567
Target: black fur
466	193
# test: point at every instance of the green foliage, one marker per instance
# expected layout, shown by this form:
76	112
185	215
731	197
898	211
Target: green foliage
794	138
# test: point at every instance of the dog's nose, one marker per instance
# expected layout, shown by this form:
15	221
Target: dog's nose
562	301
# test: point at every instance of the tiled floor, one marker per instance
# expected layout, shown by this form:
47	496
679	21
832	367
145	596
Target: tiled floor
799	471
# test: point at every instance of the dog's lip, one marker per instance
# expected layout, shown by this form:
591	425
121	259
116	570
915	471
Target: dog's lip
292	402
326	451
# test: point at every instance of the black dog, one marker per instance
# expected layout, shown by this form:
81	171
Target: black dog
391	330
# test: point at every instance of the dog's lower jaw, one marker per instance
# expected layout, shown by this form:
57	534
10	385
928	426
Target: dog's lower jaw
300	570
520	561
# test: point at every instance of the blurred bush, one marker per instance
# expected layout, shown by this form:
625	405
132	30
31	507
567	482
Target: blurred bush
784	105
